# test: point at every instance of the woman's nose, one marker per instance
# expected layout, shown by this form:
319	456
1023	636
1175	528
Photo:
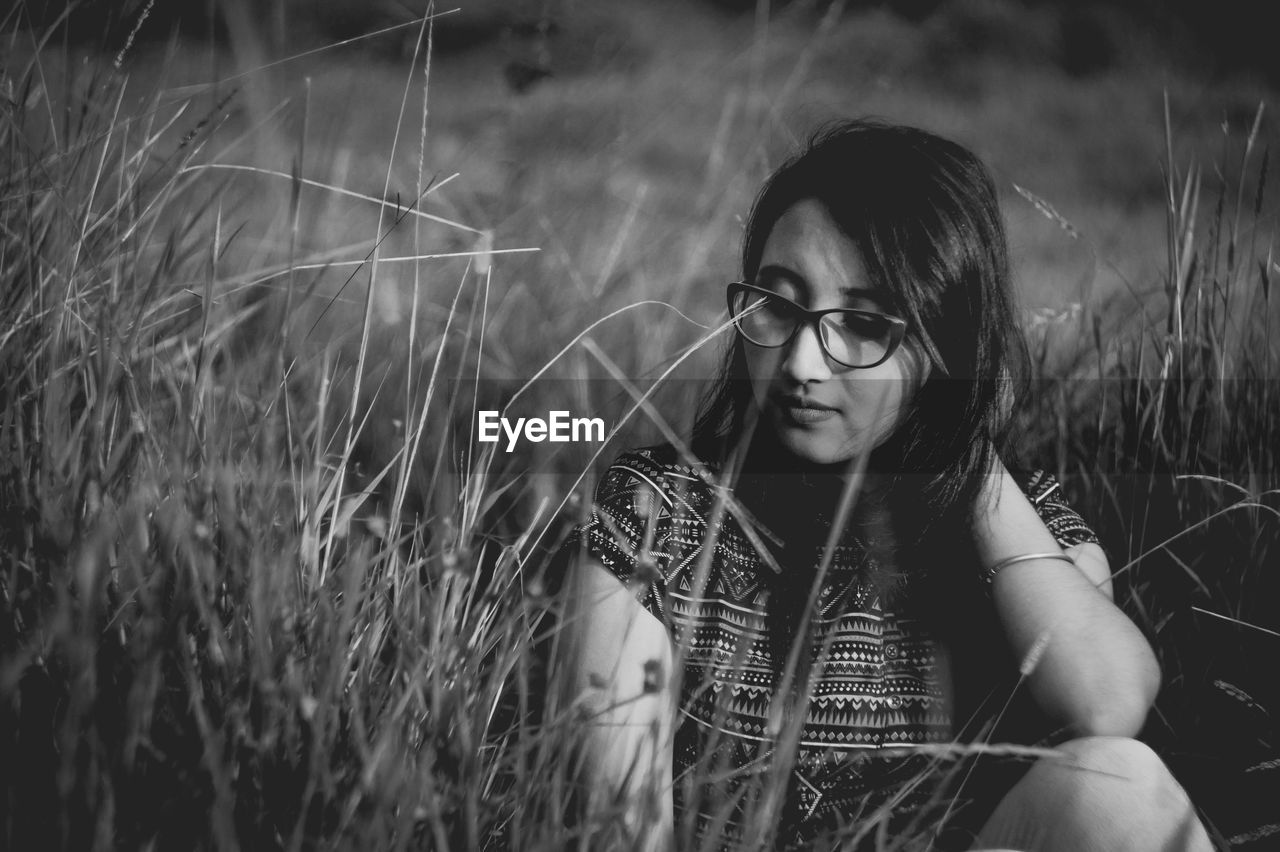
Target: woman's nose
805	361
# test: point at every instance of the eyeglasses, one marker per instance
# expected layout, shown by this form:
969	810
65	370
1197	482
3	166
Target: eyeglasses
853	338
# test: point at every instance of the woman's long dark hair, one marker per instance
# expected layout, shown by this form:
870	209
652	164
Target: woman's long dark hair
924	214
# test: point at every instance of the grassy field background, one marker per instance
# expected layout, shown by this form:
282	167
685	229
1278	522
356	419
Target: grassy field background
261	588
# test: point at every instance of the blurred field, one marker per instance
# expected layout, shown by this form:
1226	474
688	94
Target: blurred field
260	588
657	120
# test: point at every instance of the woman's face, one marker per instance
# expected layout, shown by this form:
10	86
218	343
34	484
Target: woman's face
807	259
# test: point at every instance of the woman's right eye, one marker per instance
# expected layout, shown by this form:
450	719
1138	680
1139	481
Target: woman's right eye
777	305
781	289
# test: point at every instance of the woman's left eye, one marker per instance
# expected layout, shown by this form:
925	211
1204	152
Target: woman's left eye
860	322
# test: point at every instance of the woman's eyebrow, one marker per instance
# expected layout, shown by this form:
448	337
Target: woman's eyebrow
775	272
876	295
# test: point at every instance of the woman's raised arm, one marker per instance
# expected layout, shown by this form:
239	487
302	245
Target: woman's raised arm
617	665
1090	666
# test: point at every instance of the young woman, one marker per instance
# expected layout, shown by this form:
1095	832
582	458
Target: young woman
776	631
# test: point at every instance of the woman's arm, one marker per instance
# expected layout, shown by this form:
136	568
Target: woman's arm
1093	668
618	665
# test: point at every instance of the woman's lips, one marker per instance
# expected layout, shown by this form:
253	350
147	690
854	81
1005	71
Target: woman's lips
804	412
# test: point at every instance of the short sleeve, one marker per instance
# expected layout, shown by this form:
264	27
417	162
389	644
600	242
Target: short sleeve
1045	493
629	525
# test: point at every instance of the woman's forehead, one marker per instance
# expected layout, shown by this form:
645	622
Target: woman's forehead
806	238
805	248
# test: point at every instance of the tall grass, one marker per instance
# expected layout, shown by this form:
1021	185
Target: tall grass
1167	428
240	610
209	637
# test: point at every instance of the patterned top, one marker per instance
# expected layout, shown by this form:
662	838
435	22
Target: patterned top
878	679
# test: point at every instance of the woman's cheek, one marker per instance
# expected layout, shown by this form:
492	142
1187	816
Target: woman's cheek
762	365
876	411
895	413
862	431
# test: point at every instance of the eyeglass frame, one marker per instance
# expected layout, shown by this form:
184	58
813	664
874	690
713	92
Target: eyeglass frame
897	325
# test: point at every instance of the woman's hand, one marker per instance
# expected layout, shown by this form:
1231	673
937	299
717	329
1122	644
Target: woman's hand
1086	663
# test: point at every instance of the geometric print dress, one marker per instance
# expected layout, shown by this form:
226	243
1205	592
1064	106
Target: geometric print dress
758	765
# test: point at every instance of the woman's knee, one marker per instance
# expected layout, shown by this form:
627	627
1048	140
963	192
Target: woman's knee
1125	778
1128	763
1103	793
1123	756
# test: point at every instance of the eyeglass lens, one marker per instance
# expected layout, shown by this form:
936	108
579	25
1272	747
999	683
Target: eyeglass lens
850	338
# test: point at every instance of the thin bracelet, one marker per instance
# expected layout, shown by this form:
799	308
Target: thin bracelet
990	573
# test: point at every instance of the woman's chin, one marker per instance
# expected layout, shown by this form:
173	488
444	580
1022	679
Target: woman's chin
810	445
